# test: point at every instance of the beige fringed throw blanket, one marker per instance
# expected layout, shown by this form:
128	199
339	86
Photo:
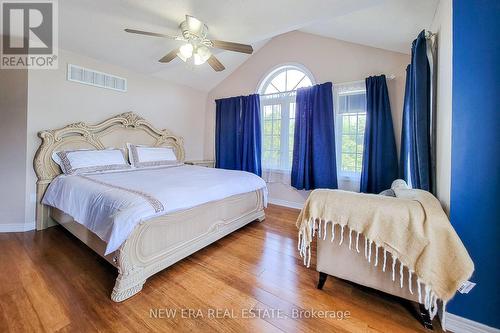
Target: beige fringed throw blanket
411	228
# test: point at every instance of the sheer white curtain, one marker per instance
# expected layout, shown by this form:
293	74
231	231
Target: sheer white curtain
278	121
277	176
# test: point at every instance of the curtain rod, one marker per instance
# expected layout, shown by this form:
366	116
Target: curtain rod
387	77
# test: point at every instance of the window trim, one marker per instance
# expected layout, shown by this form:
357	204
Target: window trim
276	70
284	101
349	176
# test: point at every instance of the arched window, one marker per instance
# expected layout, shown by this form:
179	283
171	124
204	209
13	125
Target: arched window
277	100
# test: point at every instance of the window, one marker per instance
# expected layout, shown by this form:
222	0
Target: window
277	98
350	111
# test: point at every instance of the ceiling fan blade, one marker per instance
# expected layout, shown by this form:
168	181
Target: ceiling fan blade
169	56
230	46
147	33
215	64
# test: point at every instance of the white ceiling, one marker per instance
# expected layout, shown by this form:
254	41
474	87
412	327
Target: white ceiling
95	28
389	24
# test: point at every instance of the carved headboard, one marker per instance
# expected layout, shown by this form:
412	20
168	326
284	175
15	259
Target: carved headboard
112	133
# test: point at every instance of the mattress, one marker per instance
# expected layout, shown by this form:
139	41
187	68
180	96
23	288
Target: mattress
112	204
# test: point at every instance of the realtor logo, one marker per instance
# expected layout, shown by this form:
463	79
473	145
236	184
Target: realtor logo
29	34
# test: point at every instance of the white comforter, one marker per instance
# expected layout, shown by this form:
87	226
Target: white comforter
111	204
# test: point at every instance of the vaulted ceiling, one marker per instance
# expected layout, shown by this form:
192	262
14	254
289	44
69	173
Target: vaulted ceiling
95	28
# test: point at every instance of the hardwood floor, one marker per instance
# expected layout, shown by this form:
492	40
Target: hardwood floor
250	281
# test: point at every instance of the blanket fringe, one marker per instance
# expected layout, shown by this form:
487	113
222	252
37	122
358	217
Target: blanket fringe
341	234
410	272
357	242
304	247
370	250
419	291
443	319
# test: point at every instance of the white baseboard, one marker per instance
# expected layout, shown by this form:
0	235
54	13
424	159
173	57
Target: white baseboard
459	324
17	227
285	203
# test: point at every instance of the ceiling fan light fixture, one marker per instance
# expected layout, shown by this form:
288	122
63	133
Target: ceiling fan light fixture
182	57
186	51
195	27
196	44
201	55
198	60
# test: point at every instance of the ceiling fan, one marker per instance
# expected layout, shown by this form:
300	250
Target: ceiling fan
196	44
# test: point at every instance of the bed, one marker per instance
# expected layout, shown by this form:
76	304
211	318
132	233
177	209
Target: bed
160	241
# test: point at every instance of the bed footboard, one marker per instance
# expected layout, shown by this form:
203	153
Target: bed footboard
160	242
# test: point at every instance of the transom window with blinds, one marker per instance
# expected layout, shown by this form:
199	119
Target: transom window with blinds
277	98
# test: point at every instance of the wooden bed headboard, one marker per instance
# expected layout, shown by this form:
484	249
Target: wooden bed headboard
111	133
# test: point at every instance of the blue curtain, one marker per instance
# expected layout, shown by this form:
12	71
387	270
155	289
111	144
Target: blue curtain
314	164
415	159
237	134
405	134
380	159
251	136
227	133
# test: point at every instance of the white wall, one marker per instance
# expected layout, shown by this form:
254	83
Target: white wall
54	102
13	109
442	25
329	60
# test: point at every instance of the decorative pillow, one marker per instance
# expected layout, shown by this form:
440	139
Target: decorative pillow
399	184
83	161
144	156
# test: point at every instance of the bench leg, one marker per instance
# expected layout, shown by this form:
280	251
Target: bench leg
322	280
424	316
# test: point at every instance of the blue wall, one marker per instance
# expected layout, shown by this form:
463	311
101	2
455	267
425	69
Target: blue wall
475	167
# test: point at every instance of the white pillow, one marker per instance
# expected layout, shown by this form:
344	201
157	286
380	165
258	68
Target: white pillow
144	156
82	161
399	184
